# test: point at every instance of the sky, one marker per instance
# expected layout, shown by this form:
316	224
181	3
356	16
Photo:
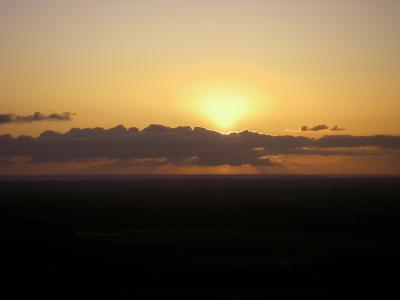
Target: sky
300	68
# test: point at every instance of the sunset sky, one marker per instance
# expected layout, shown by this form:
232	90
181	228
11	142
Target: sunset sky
267	66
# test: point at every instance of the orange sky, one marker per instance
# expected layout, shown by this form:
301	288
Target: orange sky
290	63
226	65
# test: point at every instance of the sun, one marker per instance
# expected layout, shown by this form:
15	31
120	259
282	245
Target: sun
223	105
224	111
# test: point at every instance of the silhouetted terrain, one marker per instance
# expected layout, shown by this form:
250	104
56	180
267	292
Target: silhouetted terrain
204	237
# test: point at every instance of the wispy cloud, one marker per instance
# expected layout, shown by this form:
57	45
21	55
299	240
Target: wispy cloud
315	128
35	117
321	127
337	128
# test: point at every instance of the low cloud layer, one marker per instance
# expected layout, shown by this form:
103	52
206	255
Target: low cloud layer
162	145
36	117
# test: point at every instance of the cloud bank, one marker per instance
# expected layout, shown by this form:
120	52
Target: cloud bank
36	117
161	145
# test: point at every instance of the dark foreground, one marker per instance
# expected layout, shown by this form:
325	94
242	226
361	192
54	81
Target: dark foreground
201	238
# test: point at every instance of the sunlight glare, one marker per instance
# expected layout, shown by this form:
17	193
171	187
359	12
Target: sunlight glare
224	110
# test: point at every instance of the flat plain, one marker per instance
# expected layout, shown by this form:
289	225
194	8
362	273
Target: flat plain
201	237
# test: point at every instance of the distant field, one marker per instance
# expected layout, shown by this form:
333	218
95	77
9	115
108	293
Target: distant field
205	237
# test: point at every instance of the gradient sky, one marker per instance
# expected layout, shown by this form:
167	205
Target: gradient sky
293	63
267	66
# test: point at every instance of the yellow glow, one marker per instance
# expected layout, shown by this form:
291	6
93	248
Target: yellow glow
223	104
224	110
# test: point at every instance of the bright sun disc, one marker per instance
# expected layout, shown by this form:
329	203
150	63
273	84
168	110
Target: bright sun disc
224	111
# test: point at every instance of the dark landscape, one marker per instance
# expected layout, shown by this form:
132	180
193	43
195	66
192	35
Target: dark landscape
201	237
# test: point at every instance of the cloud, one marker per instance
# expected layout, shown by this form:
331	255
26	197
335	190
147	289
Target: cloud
380	141
336	128
322	127
36	117
315	128
181	146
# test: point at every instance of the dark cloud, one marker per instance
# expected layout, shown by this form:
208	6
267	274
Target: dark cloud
36	117
379	141
322	127
6	160
337	128
315	128
161	145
